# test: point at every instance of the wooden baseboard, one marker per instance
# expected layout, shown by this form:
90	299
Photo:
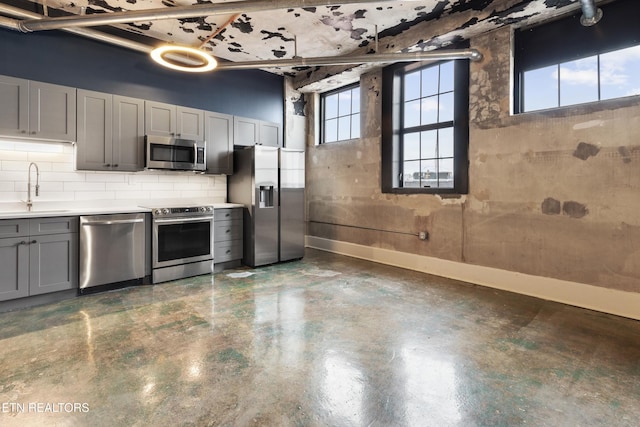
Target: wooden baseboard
620	303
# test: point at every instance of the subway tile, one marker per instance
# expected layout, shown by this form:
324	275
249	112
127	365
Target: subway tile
105	177
13	155
84	186
142	177
63	176
95	195
122	186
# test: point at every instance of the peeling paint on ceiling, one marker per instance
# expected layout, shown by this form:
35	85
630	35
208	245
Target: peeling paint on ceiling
327	30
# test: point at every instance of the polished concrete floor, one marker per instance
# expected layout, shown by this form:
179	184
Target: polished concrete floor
326	341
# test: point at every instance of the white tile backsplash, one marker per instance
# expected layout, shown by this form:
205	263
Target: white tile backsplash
60	182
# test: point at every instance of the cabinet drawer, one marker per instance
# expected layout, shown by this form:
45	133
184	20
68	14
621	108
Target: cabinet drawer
227	251
228	214
14	227
53	225
227	230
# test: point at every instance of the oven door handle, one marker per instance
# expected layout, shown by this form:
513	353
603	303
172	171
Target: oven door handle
112	222
174	220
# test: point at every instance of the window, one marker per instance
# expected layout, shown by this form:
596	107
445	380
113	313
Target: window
425	128
340	115
563	63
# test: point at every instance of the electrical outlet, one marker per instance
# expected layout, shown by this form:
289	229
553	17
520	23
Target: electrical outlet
423	235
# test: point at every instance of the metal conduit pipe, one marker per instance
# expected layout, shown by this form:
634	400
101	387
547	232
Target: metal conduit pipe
178	12
591	14
440	55
9	23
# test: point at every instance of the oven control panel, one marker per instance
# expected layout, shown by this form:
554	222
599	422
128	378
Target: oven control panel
190	211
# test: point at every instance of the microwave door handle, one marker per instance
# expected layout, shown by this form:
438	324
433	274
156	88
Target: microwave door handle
174	220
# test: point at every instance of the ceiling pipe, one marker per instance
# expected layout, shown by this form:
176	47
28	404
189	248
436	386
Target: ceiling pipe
178	12
438	55
9	23
591	13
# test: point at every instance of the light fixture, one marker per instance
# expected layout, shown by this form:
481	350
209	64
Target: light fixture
183	58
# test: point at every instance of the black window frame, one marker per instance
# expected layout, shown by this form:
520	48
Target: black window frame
323	119
392	128
565	40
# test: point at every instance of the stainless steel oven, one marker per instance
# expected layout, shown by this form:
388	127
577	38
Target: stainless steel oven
182	242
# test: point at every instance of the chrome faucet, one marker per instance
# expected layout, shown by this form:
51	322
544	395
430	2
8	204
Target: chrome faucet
29	201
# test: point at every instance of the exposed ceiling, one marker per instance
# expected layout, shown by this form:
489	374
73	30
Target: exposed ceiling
334	30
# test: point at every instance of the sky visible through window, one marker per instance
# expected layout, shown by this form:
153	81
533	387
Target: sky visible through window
606	76
428	102
342	115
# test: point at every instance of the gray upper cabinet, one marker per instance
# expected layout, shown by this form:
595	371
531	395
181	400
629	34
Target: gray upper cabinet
249	132
36	110
110	132
246	132
174	121
219	137
42	258
270	134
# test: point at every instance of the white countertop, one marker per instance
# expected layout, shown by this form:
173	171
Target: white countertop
49	209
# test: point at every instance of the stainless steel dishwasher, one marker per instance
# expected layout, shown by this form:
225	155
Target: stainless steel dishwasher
112	249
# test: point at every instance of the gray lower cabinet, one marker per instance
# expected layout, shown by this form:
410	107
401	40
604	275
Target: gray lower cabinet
227	237
110	132
40	257
218	130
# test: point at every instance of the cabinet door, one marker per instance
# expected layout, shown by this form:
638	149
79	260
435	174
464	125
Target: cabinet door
128	133
14	268
53	263
14	106
190	123
246	132
159	118
219	137
270	134
95	130
52	111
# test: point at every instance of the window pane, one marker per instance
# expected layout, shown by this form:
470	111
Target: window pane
412	86
429	110
445	173
331	130
411	174
411	147
355	126
446	77
540	88
331	106
579	81
429	173
355	100
430	81
445	142
412	113
429	140
344	128
446	107
344	103
619	73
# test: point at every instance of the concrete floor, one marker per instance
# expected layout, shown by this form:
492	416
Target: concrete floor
326	341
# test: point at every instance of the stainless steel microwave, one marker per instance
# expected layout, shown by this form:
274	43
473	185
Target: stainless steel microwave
163	152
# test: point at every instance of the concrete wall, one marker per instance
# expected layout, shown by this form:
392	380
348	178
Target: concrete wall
552	194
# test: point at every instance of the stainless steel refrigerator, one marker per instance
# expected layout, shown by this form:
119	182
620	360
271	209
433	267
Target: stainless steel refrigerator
269	182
